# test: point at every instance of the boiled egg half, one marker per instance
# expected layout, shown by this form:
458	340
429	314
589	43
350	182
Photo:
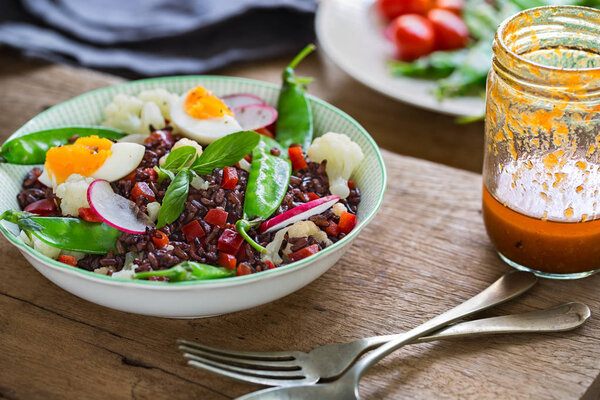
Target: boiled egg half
202	116
91	156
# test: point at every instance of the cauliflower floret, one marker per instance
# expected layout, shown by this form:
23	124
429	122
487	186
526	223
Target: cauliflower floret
162	98
342	155
45	249
199	183
73	194
134	114
151	115
124	113
338	209
181	143
299	229
152	209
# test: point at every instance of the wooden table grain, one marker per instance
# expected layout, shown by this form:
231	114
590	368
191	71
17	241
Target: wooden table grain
425	252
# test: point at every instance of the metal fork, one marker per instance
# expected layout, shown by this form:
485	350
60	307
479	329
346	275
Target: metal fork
326	363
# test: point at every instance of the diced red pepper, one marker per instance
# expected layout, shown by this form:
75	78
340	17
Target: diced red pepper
69	260
130	176
241	254
347	222
303	253
152	174
193	230
163	136
43	207
332	230
230	178
88	214
270	265
227	260
312	196
297	158
243	269
230	241
266	132
351	185
248	158
162	240
216	217
142	189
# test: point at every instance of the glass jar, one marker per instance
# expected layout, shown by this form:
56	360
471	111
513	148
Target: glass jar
541	173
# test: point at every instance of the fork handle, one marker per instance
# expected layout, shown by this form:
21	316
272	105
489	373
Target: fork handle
507	287
560	318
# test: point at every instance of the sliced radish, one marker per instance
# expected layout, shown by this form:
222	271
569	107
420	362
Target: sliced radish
241	99
255	116
115	210
299	213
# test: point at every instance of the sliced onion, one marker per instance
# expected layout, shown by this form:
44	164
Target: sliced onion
255	116
115	210
298	213
241	99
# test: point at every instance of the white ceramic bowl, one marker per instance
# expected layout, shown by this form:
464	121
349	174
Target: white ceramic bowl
198	298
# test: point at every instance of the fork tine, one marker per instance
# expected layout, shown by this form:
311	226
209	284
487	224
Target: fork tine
260	373
252	365
250	355
242	377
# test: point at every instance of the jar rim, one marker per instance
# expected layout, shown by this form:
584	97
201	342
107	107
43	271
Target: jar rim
500	38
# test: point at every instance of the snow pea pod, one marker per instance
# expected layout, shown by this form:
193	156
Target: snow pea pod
188	271
32	148
267	185
295	121
66	233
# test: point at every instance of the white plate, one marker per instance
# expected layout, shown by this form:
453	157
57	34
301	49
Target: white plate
351	33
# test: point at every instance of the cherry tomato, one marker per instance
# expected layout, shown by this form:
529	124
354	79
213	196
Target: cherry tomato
451	32
391	9
456	6
414	36
43	207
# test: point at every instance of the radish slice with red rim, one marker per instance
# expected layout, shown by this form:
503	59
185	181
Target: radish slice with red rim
241	99
115	210
255	116
299	213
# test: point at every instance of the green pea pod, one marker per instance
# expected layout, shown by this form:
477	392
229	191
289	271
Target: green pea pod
267	185
66	233
189	271
295	122
31	148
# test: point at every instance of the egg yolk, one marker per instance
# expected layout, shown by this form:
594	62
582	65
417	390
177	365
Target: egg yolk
83	157
202	104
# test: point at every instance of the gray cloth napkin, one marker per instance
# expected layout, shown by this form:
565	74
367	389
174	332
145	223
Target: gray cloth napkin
156	37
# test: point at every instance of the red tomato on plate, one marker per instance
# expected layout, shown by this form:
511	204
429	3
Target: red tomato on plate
451	32
414	36
391	9
456	6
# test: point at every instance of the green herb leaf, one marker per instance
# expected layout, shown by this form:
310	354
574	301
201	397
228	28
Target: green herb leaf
164	174
180	157
225	152
22	219
175	197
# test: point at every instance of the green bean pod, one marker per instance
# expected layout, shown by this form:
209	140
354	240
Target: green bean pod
72	234
188	271
294	121
32	148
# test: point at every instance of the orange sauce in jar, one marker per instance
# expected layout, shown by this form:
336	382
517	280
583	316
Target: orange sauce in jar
544	216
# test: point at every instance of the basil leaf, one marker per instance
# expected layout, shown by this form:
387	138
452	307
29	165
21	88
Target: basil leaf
225	152
180	157
174	201
164	174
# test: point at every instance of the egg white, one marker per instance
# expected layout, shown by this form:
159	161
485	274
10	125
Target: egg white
204	131
124	158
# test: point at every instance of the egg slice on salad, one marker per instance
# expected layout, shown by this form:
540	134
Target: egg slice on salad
91	156
202	116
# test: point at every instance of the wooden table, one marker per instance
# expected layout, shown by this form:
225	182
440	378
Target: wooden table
425	252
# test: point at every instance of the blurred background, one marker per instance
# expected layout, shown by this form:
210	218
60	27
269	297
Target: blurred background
47	46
